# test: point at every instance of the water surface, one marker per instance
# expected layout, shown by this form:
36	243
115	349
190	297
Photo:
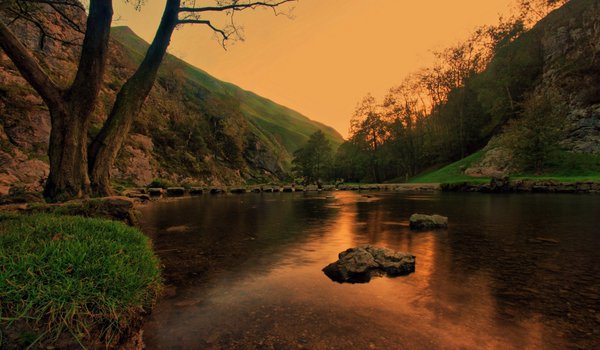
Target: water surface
244	272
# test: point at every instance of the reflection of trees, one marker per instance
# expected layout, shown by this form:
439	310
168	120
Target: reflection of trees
195	237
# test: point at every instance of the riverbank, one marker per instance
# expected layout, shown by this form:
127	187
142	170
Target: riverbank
493	185
71	282
144	194
505	185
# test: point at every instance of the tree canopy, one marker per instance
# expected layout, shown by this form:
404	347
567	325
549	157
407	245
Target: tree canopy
313	161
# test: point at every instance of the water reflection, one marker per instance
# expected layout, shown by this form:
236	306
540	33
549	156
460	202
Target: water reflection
248	272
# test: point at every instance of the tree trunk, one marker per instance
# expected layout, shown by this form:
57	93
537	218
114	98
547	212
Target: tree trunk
106	146
70	109
67	153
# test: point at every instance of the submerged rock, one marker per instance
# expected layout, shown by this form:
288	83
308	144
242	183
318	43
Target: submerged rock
427	222
358	265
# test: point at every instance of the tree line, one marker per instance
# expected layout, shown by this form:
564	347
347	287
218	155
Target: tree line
444	112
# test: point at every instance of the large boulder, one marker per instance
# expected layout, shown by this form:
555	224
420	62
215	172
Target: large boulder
427	222
360	264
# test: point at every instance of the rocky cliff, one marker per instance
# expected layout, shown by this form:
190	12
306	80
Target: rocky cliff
569	39
193	128
571	48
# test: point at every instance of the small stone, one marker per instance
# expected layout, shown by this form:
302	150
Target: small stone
427	222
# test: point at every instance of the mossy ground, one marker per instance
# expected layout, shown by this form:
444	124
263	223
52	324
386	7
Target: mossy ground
71	280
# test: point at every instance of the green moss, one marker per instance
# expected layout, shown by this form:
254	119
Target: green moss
85	279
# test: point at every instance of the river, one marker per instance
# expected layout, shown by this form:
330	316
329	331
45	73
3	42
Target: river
514	271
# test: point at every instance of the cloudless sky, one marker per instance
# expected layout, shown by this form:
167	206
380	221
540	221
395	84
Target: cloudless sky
330	54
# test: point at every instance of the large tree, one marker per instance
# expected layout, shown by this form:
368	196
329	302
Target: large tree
369	130
312	162
79	168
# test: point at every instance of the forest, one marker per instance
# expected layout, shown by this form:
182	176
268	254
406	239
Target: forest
485	87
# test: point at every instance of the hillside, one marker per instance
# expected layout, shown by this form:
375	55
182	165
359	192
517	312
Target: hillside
193	127
557	57
289	127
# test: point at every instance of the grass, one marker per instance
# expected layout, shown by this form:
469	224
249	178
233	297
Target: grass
84	280
566	167
452	173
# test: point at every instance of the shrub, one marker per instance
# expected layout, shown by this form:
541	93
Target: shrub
160	183
534	138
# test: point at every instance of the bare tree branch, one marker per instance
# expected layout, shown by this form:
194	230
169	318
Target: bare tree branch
30	10
222	32
235	6
191	14
44	34
68	19
29	67
70	3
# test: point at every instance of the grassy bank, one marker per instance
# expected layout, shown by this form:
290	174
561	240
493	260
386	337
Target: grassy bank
566	167
452	172
71	280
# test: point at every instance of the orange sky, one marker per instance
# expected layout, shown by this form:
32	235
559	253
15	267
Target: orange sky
330	54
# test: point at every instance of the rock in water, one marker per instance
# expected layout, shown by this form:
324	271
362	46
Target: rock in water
358	265
175	191
427	222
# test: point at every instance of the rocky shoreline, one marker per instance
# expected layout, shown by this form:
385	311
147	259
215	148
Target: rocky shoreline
117	207
523	186
496	185
154	193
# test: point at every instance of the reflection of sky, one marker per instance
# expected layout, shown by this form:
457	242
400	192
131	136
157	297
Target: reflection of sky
457	298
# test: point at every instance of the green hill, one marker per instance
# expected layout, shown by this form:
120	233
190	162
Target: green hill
273	122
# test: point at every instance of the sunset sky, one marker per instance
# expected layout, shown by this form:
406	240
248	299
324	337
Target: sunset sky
330	54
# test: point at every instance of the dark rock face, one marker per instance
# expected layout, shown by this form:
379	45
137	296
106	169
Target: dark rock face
427	222
359	265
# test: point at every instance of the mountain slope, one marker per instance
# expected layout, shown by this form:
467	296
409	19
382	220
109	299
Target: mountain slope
192	129
287	126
